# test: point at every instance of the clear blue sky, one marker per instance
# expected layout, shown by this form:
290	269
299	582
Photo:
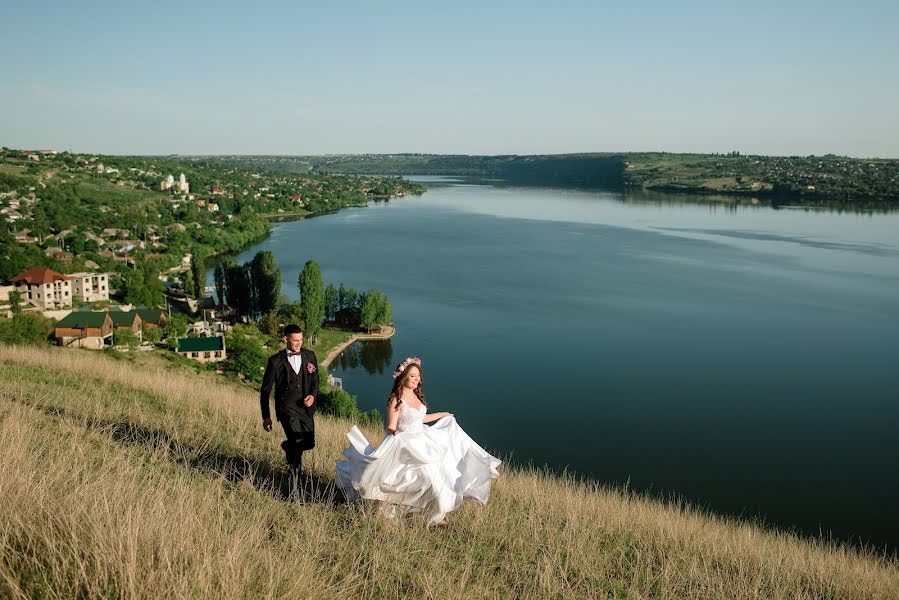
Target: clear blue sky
455	77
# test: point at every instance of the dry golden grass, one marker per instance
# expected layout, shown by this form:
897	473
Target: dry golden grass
120	482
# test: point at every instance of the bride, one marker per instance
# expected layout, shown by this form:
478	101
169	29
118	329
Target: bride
420	469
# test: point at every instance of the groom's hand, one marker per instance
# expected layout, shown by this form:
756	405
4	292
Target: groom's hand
308	400
267	424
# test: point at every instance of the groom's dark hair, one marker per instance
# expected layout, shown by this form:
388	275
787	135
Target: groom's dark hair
291	329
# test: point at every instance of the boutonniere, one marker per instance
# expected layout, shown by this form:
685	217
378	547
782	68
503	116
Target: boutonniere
310	367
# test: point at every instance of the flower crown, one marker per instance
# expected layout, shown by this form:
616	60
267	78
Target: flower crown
402	366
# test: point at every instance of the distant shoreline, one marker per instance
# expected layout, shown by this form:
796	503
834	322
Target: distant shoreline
807	180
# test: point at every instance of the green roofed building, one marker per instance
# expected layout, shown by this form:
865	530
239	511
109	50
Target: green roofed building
126	320
204	349
84	329
151	317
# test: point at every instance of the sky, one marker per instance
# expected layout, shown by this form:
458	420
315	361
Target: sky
487	77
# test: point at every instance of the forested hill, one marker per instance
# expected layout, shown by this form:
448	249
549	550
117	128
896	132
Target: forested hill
581	170
803	179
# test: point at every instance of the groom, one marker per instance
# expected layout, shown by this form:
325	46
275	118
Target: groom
294	374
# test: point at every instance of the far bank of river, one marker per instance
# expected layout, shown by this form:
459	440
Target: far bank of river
737	355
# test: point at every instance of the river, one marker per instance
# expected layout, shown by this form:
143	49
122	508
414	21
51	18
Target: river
739	356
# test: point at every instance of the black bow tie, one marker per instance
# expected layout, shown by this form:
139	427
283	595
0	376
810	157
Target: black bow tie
289	354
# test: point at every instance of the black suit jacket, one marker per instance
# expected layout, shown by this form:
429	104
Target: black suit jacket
276	375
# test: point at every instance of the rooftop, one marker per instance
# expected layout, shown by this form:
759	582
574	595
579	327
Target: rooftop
121	318
203	344
39	276
81	319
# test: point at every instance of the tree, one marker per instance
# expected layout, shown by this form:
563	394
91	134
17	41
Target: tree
124	338
151	334
332	304
238	286
15	304
175	327
371	304
77	245
198	270
341	297
384	311
338	402
27	328
292	312
352	300
245	356
312	296
154	291
135	288
220	285
187	281
23	328
266	278
268	323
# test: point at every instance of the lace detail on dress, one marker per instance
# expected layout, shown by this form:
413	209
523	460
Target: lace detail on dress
411	419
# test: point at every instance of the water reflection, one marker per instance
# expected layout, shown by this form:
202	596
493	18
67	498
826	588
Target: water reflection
735	203
375	357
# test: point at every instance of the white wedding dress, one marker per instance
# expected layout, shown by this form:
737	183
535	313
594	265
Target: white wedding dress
422	469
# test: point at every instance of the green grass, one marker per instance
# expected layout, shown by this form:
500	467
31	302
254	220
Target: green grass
327	340
125	480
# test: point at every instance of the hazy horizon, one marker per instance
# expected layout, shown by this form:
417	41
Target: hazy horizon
337	154
487	78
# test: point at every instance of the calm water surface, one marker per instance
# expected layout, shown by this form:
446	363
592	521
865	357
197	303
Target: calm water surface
742	357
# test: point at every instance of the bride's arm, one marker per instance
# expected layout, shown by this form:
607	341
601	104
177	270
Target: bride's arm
393	416
436	416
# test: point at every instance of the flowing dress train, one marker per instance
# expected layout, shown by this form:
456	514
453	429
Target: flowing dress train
422	469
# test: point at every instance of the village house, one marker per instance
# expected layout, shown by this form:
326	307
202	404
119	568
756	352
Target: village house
125	259
25	237
4	292
202	349
44	288
59	254
84	329
217	312
151	317
90	287
126	320
11	213
94	238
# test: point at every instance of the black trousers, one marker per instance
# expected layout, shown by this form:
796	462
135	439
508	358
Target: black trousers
300	434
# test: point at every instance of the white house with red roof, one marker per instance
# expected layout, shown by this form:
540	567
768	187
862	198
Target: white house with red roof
44	288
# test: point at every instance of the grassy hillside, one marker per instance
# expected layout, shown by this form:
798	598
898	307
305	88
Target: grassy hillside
145	483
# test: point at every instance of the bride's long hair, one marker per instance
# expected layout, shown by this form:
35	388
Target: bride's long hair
400	382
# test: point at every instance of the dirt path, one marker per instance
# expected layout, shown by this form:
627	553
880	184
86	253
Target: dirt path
385	334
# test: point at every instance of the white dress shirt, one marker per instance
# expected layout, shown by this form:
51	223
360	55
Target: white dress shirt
296	361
